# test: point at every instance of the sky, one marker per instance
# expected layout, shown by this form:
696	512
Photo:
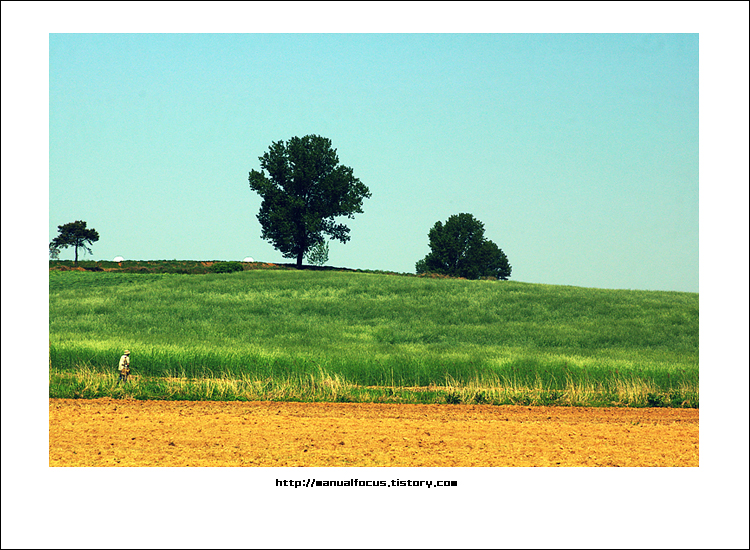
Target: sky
578	152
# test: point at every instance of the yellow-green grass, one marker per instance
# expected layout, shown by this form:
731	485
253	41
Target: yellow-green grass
324	335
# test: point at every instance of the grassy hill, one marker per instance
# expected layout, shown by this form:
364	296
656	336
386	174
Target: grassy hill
275	333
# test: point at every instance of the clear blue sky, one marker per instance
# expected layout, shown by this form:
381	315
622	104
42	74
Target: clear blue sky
579	152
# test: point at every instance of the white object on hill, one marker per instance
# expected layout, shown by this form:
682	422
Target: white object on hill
118	259
248	259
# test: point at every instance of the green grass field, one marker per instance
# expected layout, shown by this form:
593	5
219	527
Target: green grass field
354	336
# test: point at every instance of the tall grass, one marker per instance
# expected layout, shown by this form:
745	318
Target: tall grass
86	382
501	339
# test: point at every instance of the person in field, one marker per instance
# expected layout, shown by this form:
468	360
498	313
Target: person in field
124	366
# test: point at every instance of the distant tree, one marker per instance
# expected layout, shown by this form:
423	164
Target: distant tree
226	267
304	190
459	249
73	234
318	254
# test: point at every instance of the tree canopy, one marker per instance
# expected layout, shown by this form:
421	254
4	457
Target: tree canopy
304	188
459	249
73	234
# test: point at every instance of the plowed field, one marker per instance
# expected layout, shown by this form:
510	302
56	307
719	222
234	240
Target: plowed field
107	432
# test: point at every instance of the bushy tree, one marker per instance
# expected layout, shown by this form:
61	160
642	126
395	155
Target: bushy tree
73	234
318	254
304	189
226	267
458	248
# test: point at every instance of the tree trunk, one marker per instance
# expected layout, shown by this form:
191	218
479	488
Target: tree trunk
76	260
300	255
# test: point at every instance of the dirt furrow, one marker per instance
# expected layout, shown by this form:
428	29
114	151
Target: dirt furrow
108	432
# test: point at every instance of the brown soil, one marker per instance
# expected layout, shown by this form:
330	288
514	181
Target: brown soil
108	432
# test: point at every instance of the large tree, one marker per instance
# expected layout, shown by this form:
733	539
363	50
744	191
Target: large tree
73	234
459	248
304	188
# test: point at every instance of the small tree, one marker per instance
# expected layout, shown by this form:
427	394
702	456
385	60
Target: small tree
73	234
304	188
459	249
226	267
318	254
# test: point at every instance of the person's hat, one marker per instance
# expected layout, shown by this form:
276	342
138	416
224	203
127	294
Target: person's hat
127	352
